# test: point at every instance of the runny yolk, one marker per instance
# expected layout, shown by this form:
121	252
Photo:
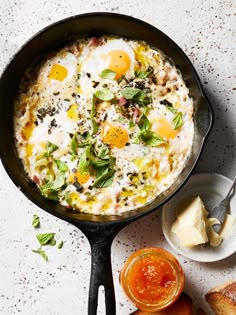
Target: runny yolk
119	62
152	279
114	135
164	129
58	72
81	178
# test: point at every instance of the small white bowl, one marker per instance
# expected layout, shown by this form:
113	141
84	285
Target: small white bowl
212	188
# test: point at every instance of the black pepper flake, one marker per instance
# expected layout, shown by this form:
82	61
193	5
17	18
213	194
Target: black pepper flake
88	75
166	103
78	187
56	93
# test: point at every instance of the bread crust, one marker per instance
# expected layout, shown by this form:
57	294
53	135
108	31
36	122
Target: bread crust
222	299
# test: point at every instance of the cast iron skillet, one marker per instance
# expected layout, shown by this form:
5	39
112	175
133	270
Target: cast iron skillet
100	230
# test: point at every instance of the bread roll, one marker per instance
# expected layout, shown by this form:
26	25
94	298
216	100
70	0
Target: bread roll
222	299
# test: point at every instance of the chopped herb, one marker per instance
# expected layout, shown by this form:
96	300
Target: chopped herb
104	95
144	124
46	239
78	76
151	138
144	74
121	79
108	74
105	180
50	148
36	221
146	135
93	109
51	188
40	252
137	95
131	124
84	160
171	109
95	127
178	120
73	146
61	166
129	92
60	244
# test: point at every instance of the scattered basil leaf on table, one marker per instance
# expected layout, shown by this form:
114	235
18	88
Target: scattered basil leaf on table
60	244
40	252
36	221
46	239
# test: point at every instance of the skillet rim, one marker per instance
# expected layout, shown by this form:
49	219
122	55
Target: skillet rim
135	213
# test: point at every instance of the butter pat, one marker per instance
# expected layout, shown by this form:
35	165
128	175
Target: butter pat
190	225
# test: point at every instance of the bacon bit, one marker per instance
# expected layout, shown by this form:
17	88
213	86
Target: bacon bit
122	101
36	179
94	42
68	207
136	114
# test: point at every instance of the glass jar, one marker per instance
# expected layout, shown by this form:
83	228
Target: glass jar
152	279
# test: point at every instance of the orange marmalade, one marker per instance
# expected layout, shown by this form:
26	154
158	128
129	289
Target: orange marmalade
152	278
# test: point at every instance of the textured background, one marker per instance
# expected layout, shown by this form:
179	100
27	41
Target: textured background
205	30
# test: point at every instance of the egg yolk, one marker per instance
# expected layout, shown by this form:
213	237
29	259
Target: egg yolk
82	178
72	112
119	62
164	129
116	136
58	72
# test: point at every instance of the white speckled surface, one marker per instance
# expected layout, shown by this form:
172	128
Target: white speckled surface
205	29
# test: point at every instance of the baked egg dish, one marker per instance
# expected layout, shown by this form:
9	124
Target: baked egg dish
103	125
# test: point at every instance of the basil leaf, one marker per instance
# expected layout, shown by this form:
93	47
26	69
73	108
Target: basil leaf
51	195
129	92
171	109
61	166
95	127
50	148
51	188
84	160
46	239
93	109
105	180
144	74
151	138
108	74
144	99
102	152
73	146
104	95
120	79
36	221
144	124
99	163
178	120
40	252
131	124
60	244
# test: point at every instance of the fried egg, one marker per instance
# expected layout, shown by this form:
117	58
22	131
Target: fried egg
104	144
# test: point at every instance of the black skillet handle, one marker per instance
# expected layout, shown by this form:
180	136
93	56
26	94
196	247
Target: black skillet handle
101	275
100	236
